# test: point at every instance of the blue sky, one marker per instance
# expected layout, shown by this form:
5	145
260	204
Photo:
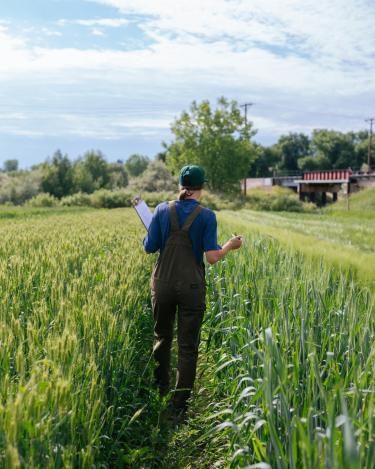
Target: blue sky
113	74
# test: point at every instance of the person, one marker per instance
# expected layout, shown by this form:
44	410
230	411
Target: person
181	231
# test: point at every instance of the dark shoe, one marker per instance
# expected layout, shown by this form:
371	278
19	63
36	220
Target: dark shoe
163	391
175	415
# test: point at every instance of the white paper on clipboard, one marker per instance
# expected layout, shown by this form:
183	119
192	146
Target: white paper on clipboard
143	211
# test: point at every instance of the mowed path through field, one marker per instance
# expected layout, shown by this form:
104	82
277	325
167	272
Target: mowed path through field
286	369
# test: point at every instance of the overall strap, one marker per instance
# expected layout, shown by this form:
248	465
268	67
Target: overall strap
191	218
173	216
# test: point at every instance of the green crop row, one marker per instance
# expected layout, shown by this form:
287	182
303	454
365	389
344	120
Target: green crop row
287	374
75	340
286	368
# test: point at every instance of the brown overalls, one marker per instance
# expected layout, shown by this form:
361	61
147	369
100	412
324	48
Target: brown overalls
178	283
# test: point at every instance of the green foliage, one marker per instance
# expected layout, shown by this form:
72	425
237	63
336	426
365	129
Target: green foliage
153	199
266	161
105	198
118	175
342	150
291	148
217	139
326	149
278	199
43	200
79	199
19	188
137	164
156	178
312	163
57	175
91	172
10	166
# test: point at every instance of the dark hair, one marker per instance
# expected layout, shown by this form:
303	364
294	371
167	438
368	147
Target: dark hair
186	192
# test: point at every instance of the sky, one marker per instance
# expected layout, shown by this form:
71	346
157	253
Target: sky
114	74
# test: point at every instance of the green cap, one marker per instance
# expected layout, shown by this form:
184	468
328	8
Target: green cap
192	176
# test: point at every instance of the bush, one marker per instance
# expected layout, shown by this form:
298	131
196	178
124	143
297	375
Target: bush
153	199
156	178
43	200
79	199
19	188
278	199
104	198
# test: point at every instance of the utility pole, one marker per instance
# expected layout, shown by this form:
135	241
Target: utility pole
245	106
371	120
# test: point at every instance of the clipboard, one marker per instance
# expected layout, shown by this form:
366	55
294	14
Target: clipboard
143	211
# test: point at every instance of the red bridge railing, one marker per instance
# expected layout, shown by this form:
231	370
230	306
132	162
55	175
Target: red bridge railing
331	175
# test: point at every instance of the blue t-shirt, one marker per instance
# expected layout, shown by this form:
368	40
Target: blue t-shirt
203	231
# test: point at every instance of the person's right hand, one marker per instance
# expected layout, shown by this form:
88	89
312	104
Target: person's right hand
235	242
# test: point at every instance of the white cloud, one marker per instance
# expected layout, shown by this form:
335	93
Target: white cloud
83	123
97	32
266	50
50	32
339	29
103	22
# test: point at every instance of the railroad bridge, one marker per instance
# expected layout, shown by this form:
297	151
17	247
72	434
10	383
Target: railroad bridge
310	183
335	181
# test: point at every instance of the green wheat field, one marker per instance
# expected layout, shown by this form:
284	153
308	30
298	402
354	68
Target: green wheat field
287	358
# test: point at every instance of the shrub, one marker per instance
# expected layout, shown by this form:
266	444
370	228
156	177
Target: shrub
156	178
278	199
19	188
43	200
153	199
104	198
78	199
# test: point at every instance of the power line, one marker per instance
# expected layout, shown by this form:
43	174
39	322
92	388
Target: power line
371	120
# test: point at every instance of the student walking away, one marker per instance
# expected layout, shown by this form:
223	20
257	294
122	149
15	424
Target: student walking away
182	231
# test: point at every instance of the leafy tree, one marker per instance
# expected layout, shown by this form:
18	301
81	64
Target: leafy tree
265	161
118	175
217	139
361	149
156	178
136	164
161	156
337	147
91	172
291	148
20	187
312	163
10	166
57	175
82	179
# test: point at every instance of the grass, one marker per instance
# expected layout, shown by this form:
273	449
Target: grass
19	213
287	368
75	340
287	360
342	240
359	201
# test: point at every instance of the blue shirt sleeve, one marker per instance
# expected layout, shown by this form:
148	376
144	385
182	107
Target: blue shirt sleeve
152	240
210	234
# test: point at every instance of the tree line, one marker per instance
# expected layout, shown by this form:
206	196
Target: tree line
219	138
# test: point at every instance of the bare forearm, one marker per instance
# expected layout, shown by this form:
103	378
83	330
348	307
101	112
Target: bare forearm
215	256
